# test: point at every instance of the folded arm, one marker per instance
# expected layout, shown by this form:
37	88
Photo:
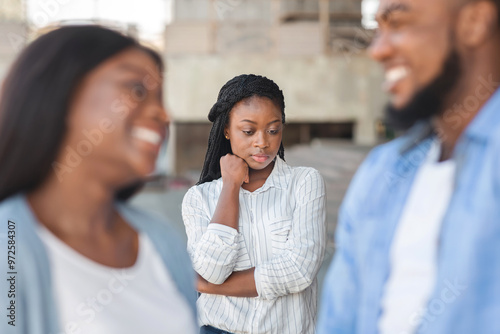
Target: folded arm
238	284
213	247
295	268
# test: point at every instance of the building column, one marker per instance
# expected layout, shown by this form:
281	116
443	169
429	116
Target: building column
324	21
212	14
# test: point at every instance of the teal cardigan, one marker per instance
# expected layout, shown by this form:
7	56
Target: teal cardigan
36	312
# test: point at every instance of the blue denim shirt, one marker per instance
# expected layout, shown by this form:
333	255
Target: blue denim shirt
466	296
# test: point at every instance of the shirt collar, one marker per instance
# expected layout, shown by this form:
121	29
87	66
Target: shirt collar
487	120
278	177
481	126
416	135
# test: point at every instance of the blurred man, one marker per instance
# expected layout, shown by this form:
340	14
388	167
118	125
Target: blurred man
418	241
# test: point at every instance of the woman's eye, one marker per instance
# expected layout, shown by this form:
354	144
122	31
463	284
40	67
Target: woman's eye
248	133
137	90
273	132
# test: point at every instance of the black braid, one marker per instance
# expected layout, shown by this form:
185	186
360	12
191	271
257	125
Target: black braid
239	88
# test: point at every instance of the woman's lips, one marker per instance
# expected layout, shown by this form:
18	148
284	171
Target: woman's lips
260	158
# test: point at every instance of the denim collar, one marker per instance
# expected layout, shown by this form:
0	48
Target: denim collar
481	126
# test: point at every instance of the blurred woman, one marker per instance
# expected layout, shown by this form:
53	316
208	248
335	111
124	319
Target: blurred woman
255	226
82	121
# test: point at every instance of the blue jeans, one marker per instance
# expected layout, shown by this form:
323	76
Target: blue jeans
212	330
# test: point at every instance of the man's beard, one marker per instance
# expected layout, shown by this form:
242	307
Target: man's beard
429	101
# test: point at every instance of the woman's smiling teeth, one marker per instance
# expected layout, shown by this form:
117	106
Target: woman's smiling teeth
147	135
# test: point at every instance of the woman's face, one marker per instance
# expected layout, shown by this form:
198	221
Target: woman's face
255	131
117	122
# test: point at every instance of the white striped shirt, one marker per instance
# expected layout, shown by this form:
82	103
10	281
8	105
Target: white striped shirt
281	234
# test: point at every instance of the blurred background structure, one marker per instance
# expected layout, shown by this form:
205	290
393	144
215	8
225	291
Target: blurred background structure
315	50
13	28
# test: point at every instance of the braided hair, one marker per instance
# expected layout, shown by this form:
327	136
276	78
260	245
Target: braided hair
235	90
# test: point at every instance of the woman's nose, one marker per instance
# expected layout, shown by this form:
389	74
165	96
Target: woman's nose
158	112
261	141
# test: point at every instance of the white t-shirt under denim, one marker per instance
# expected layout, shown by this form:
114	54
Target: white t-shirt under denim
281	234
414	250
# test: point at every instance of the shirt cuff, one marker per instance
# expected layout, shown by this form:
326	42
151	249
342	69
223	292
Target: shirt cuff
226	233
258	283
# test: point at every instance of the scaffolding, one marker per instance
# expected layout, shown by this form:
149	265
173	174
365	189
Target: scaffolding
267	26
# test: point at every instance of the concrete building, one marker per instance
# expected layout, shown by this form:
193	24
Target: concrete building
13	32
315	50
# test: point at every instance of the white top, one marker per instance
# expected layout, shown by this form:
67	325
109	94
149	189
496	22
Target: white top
93	298
281	234
414	250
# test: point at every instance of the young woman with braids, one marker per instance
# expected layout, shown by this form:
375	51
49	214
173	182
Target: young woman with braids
255	226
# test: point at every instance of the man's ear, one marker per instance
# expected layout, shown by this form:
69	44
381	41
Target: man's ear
477	21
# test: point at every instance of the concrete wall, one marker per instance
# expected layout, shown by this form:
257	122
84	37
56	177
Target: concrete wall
13	32
315	54
332	89
321	88
254	10
12	40
244	38
12	10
